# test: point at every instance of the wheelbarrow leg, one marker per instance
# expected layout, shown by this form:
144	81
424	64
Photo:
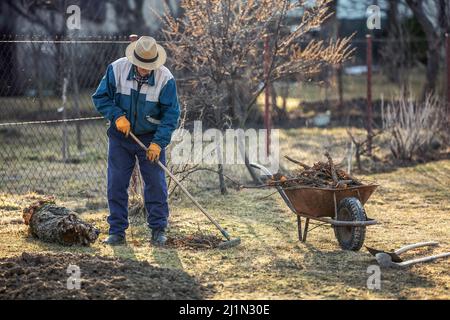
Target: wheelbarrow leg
305	231
299	227
302	235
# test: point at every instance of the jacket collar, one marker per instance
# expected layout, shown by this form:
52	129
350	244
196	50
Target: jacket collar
151	78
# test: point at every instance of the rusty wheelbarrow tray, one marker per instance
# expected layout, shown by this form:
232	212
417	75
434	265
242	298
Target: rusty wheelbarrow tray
341	208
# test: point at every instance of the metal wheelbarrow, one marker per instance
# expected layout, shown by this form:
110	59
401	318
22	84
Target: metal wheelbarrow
341	208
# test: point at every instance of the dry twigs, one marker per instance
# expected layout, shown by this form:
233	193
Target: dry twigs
320	175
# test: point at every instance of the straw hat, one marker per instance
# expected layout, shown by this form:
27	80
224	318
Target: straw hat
146	53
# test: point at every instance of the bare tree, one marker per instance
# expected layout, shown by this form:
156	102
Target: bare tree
434	26
218	44
130	16
30	11
8	55
47	15
396	56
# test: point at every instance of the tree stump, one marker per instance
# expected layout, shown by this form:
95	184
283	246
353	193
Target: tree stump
51	223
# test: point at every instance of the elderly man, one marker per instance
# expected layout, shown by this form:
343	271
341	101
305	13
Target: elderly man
138	94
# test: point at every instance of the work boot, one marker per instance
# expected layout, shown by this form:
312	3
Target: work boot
158	237
115	240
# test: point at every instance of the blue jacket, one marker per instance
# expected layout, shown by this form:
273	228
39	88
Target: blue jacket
154	109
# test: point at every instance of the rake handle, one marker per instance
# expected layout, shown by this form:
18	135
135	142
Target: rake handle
223	231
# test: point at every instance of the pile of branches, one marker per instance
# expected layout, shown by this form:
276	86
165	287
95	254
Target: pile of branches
320	175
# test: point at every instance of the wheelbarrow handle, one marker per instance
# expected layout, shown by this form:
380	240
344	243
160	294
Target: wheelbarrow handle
416	245
262	168
280	189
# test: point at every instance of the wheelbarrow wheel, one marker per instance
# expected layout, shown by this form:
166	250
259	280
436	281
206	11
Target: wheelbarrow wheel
350	238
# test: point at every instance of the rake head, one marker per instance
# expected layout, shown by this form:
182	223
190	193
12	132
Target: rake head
230	243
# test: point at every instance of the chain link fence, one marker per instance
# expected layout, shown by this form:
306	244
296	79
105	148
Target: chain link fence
54	142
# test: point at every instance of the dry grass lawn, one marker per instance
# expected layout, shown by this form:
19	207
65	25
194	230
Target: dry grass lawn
413	204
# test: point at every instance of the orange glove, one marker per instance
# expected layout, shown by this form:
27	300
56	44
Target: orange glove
153	152
123	125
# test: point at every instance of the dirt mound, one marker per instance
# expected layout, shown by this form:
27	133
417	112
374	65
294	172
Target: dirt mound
38	276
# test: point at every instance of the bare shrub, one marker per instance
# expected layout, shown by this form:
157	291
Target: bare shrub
412	125
219	46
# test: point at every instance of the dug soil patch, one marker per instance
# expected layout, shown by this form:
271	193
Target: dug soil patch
39	276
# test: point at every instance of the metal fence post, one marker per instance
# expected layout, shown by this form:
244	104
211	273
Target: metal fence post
369	95
133	37
267	118
447	41
65	137
76	93
136	176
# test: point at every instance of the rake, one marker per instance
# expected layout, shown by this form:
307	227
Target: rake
229	243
